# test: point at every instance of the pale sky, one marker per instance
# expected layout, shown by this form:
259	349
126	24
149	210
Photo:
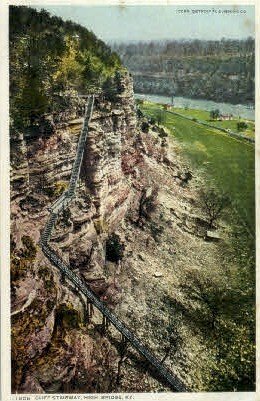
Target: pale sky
124	23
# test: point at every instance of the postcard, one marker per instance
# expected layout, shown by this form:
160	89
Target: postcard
128	211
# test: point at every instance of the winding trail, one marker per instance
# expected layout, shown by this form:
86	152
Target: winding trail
59	205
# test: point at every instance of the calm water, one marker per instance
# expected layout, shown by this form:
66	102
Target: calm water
225	108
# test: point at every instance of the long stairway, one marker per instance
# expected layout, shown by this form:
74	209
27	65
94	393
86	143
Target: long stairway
173	381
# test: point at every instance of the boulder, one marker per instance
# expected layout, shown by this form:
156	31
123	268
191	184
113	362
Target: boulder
212	236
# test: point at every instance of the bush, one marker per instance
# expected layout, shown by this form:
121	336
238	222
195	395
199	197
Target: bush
49	55
139	113
66	217
60	187
145	127
241	125
152	121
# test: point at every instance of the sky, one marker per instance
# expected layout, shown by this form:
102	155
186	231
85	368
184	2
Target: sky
131	23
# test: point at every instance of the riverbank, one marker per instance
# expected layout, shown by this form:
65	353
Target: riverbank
238	110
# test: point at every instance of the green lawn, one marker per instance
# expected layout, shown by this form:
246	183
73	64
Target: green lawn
204	116
226	162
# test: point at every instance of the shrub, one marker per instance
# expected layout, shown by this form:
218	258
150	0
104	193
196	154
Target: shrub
66	217
139	113
46	58
145	127
59	188
241	125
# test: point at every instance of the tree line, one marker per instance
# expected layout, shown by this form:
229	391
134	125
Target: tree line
196	47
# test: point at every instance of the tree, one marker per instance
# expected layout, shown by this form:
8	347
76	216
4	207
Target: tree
213	204
214	114
218	306
109	89
160	117
174	340
210	292
69	68
241	125
123	357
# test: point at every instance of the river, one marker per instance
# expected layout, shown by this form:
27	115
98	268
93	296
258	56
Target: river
224	108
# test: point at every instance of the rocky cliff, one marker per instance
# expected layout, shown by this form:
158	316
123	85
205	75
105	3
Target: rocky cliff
129	187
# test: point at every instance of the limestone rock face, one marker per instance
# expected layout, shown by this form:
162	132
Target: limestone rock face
115	172
110	128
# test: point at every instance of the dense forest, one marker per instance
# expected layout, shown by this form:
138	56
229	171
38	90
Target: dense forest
49	56
216	70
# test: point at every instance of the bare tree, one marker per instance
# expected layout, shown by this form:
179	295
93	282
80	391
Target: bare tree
122	359
213	204
173	344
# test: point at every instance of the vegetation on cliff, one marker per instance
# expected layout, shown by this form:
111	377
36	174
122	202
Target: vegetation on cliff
49	56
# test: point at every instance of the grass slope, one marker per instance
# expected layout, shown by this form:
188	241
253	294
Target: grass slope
204	115
227	163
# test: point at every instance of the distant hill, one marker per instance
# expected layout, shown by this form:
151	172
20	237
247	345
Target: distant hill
215	70
48	56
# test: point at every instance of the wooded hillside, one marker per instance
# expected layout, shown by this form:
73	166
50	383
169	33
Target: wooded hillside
215	70
50	56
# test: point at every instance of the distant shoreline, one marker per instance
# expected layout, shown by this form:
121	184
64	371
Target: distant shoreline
246	111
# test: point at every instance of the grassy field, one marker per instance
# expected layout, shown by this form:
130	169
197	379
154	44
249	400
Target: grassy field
204	116
226	162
